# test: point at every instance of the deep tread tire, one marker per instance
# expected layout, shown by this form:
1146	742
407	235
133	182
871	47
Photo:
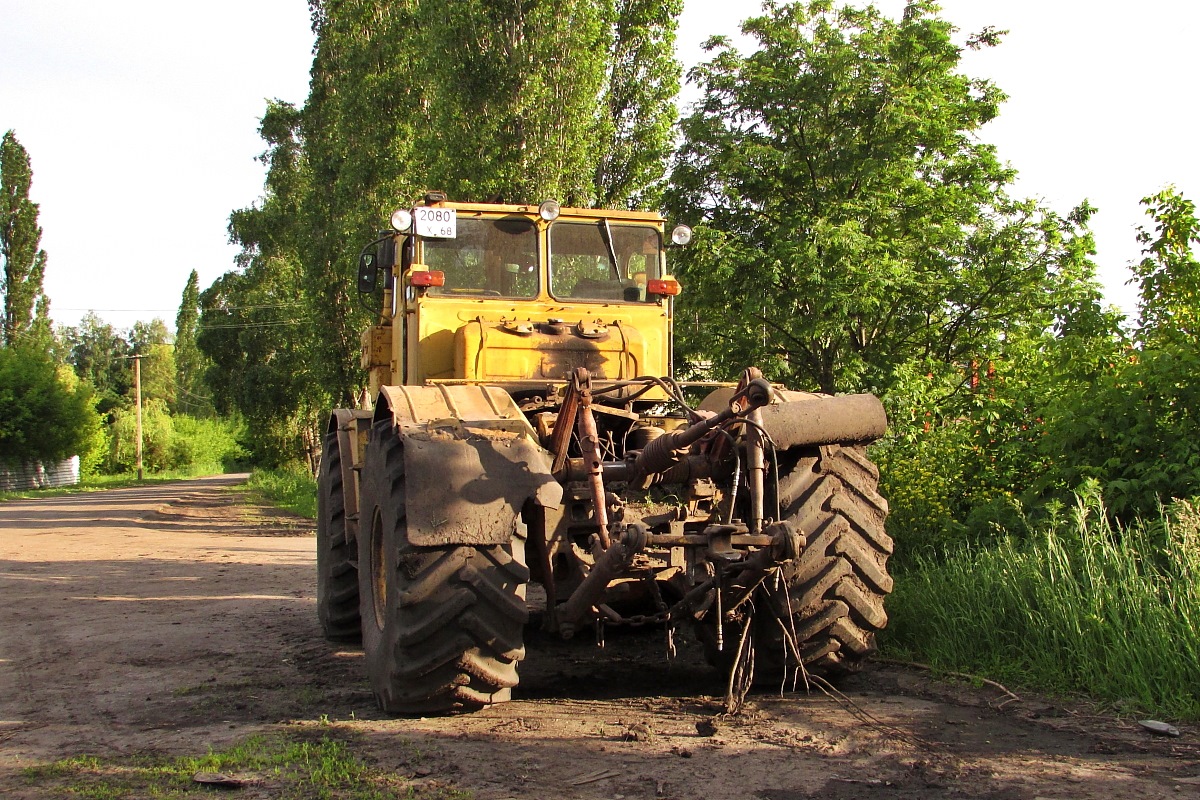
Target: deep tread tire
442	626
337	570
837	587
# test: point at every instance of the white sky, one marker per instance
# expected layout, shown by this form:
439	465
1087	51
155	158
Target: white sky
141	118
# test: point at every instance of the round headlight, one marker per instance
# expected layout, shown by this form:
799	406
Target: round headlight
402	220
549	210
681	235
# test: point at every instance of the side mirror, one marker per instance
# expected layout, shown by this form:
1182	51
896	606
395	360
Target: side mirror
368	272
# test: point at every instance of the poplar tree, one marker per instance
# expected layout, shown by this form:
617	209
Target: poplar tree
191	396
26	307
535	100
638	112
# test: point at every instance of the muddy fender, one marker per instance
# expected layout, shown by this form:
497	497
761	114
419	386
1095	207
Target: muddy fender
471	461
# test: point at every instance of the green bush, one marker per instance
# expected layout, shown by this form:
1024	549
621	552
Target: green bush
292	488
206	445
183	444
46	413
1082	605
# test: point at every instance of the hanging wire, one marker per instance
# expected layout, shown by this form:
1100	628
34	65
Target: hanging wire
249	325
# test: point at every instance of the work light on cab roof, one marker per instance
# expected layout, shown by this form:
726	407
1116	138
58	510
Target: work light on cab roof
402	220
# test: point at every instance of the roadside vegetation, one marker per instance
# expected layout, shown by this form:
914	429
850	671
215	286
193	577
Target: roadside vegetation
1079	605
854	232
287	766
291	488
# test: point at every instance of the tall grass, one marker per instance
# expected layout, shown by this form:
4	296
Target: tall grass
291	488
1082	606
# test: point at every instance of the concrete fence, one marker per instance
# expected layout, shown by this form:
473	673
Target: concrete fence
39	476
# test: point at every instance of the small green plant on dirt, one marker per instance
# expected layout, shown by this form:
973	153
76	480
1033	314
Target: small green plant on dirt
290	767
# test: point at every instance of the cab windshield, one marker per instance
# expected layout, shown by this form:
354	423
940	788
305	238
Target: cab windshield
602	261
488	258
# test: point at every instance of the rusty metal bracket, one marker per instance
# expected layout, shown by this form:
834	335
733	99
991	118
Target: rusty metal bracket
589	444
560	441
611	563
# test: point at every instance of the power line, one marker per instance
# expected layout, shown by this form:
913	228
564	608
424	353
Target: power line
244	325
262	305
151	310
137	310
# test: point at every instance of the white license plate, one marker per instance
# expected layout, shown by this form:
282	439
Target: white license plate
436	223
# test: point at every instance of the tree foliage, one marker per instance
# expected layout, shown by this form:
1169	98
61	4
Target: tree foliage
1085	407
100	355
1168	276
26	307
638	111
153	342
535	100
260	354
45	414
852	221
265	335
1135	429
191	395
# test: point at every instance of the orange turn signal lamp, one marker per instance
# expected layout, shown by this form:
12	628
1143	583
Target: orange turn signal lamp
432	277
667	286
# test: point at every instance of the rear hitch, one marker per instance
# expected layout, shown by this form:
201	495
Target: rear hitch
611	563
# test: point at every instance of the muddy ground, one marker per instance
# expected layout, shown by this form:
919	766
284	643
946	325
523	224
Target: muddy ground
177	618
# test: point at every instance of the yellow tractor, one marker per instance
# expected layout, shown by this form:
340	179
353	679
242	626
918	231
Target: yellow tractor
526	429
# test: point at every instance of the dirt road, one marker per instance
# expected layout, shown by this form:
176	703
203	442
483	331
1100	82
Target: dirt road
175	618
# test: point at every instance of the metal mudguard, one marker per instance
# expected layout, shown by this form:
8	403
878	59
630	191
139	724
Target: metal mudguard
471	462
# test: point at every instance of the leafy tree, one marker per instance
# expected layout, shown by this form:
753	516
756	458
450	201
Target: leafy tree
264	334
192	397
638	110
45	415
152	341
851	220
1134	428
341	164
518	62
1169	276
100	354
26	307
260	355
533	100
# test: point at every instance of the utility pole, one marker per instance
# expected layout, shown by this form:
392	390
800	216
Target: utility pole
137	398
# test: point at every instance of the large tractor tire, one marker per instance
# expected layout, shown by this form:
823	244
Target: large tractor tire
830	601
828	605
442	626
337	571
